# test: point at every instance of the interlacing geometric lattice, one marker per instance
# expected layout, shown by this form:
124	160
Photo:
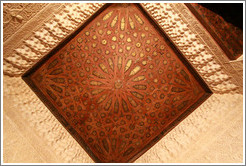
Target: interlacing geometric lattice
119	83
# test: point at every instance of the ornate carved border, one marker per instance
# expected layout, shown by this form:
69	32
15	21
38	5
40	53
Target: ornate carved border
197	45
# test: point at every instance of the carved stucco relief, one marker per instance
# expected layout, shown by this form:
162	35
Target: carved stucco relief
176	20
15	15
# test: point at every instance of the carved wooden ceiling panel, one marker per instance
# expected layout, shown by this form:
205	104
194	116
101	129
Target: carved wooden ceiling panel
117	84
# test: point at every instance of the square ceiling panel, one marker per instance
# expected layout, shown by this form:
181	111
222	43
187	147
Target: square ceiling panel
117	84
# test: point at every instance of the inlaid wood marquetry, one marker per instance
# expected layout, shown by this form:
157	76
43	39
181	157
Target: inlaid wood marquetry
117	84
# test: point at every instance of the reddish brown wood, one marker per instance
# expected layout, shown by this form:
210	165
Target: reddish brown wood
117	84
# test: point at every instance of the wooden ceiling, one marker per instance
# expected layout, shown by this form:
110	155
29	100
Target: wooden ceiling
117	84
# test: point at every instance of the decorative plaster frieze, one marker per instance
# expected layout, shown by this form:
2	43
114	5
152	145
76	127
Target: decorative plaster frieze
47	36
196	44
15	15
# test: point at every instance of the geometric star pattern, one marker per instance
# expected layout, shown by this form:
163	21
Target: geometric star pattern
118	83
